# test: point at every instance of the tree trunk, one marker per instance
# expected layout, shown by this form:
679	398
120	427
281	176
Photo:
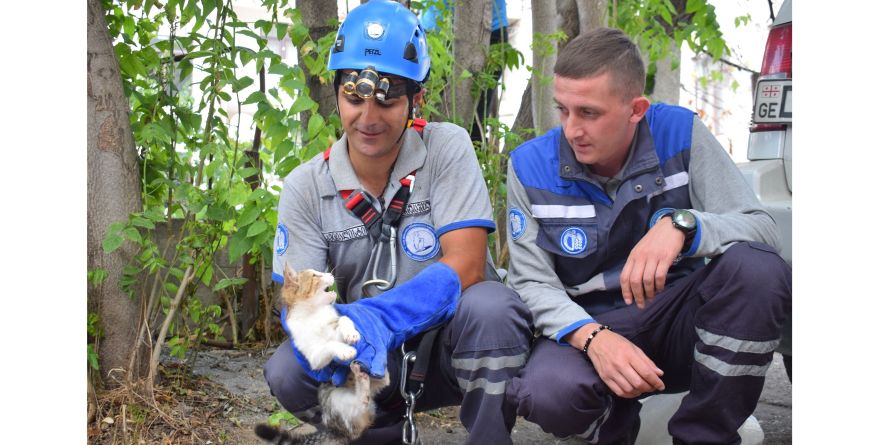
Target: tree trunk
316	15
472	25
592	14
523	120
667	80
544	21
112	194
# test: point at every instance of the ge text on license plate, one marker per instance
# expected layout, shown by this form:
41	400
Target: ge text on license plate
772	103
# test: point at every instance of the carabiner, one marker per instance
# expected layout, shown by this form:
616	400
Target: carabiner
380	283
410	432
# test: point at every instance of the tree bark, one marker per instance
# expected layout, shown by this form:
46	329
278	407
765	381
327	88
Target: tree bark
316	15
472	24
112	194
667	80
592	14
544	21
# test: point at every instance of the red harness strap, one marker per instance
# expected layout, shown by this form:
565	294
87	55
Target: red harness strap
359	204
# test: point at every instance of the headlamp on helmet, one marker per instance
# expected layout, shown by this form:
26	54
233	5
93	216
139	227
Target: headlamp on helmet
369	83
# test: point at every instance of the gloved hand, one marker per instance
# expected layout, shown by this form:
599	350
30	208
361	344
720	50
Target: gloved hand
385	321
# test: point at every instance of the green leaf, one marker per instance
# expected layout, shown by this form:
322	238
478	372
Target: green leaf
218	212
96	277
283	150
315	124
131	65
279	69
303	103
131	233
293	84
229	282
249	215
141	221
92	356
256	228
171	288
241	83
276	418
281	30
247	172
238	245
206	277
129	25
113	238
256	96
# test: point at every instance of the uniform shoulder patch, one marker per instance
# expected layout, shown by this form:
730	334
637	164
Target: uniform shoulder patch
516	223
281	239
573	240
419	241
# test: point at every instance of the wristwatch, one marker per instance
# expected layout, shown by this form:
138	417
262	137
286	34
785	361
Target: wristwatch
685	222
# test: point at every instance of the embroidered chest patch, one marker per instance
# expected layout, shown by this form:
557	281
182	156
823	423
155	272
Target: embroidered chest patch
419	241
573	241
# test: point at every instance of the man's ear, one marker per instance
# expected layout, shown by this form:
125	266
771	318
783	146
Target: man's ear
639	106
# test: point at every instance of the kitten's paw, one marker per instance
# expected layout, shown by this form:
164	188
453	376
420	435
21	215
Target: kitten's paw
345	353
351	337
347	331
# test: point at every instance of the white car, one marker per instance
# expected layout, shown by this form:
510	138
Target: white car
770	157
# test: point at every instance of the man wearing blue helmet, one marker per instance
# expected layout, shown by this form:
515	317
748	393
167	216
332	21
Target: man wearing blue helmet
400	215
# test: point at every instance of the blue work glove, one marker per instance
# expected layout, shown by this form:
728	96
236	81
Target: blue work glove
386	321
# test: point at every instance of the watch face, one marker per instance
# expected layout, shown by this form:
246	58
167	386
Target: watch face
684	219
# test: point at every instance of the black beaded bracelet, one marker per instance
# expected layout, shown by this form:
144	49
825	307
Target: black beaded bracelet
602	328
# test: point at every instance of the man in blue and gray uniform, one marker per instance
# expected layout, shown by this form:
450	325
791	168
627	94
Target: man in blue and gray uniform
333	215
611	217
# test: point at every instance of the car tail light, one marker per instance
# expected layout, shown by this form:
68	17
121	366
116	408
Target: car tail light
776	64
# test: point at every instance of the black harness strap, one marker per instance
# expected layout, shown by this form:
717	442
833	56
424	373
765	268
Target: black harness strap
422	359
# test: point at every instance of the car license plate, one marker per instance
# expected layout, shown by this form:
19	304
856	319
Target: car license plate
772	103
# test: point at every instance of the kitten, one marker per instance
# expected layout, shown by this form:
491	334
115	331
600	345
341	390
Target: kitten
321	335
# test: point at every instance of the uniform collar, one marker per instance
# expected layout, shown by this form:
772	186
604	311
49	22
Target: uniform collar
641	157
412	156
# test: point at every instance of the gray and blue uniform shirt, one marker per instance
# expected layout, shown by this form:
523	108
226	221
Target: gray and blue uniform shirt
569	238
316	231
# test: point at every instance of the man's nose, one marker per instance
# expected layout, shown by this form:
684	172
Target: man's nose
370	112
571	126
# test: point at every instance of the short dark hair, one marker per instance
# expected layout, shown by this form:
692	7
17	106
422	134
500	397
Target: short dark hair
604	50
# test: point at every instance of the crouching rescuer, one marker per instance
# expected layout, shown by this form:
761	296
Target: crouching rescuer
611	218
392	198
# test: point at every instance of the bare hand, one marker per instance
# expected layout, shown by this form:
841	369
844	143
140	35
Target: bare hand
623	367
647	266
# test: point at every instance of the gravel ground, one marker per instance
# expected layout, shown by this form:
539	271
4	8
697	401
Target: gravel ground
240	372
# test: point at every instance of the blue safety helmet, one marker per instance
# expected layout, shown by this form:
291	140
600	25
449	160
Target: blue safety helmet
386	35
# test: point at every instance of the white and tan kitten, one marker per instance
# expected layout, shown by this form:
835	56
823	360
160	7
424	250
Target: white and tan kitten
321	334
